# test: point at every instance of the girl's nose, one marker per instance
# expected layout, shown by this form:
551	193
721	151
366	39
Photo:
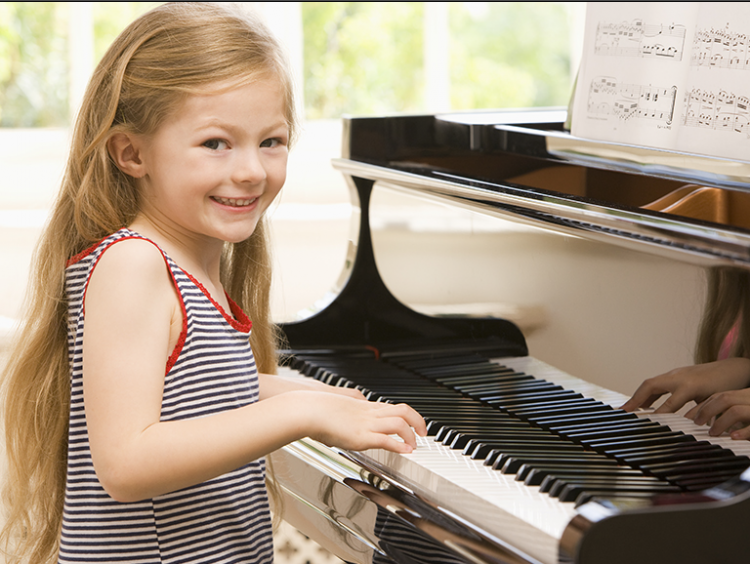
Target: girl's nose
248	168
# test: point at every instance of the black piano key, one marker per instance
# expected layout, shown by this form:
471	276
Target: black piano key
683	467
521	399
512	464
599	424
561	423
554	484
449	375
675	455
544	406
574	492
696	482
427	366
487	388
602	424
616	427
534	474
581	468
471	422
520	445
614	432
462	438
470	441
496	457
561	409
480	450
638	450
668	438
483	376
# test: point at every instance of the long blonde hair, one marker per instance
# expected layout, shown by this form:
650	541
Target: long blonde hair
173	51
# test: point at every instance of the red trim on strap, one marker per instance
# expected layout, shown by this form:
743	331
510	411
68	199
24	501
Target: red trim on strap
242	322
83	254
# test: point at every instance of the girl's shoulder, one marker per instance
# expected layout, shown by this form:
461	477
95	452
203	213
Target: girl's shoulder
123	262
135	270
124	237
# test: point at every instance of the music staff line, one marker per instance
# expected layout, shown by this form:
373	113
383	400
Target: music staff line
721	48
722	111
609	98
639	39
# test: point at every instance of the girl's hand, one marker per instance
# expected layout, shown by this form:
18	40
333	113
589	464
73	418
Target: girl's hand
693	383
730	411
353	424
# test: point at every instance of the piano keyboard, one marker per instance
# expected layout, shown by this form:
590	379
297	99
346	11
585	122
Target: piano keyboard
531	513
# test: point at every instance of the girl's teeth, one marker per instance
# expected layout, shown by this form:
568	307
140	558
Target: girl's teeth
233	202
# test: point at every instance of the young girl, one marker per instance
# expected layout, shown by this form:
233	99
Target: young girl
719	382
136	420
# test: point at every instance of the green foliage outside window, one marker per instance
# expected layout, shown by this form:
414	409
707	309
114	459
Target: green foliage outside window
33	64
359	57
509	54
362	57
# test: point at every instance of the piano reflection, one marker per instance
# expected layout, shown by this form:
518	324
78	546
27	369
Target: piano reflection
524	464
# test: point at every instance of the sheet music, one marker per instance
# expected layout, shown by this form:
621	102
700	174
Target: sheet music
666	75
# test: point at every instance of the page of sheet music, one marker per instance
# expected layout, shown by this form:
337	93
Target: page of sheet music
671	75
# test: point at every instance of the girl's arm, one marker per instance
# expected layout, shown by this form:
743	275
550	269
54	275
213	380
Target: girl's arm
136	456
273	384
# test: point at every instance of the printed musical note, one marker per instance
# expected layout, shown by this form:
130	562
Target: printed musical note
720	48
639	39
724	111
609	98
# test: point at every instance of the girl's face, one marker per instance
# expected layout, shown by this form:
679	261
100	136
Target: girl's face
214	167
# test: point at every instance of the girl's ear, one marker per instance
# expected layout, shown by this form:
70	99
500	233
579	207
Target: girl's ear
124	148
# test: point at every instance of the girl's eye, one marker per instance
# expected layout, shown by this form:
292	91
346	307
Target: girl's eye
215	144
273	142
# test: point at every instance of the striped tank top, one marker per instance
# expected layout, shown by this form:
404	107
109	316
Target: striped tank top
211	370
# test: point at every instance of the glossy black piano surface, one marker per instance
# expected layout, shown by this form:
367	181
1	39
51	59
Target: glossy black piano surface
619	487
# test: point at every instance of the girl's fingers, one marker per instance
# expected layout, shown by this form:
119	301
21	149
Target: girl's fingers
735	416
693	410
675	402
742	434
405	413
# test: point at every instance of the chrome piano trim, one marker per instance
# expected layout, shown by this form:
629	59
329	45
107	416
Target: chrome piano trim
705	245
354	491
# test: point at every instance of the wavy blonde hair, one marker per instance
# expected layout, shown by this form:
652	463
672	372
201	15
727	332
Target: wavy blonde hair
173	51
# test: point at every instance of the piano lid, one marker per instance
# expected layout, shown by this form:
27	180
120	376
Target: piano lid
687	207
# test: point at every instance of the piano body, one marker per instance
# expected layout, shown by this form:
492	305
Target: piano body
524	464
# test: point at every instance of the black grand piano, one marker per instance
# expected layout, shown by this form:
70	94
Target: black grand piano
523	463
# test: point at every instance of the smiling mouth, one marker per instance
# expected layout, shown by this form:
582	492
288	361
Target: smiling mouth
233	202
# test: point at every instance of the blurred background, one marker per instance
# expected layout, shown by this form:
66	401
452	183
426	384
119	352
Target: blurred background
359	58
